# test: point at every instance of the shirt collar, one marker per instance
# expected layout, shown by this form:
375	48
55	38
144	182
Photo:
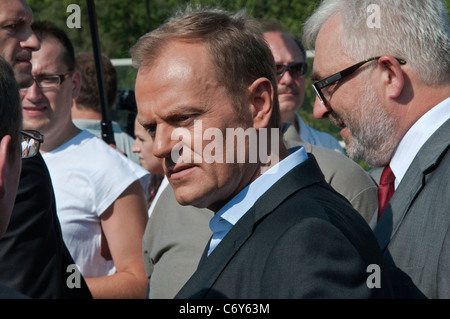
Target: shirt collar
242	202
416	137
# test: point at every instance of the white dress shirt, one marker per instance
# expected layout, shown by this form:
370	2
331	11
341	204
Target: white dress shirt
416	137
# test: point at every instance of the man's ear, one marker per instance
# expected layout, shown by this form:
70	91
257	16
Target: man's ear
261	102
76	79
4	147
392	76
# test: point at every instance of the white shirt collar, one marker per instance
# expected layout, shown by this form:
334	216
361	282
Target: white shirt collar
228	215
242	202
416	137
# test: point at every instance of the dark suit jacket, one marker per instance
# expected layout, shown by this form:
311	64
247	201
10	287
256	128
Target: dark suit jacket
8	293
414	231
301	239
33	255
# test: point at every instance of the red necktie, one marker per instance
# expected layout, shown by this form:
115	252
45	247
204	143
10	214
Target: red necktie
385	189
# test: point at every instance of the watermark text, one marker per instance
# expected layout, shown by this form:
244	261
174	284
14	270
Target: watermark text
373	20
74	19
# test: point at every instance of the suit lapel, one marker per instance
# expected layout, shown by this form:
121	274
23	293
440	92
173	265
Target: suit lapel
426	160
212	266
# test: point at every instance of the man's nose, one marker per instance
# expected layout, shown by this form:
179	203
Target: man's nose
32	93
320	110
162	141
30	41
286	79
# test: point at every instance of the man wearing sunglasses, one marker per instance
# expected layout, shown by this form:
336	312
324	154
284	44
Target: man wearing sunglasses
291	68
388	89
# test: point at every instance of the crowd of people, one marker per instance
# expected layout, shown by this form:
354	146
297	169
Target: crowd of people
184	209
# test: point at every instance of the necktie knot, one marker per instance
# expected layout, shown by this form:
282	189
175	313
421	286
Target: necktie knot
387	177
385	189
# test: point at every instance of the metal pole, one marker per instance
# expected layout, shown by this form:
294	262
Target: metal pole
106	124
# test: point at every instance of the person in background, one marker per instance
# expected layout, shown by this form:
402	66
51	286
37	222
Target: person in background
99	192
388	89
291	68
86	108
34	259
278	229
143	147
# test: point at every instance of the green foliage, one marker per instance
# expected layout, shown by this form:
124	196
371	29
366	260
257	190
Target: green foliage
121	23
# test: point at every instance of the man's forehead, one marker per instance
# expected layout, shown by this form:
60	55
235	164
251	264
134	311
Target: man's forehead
50	53
13	10
283	47
141	120
329	55
181	59
175	74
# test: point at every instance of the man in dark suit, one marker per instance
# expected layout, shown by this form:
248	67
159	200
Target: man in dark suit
176	235
10	153
206	92
390	96
34	259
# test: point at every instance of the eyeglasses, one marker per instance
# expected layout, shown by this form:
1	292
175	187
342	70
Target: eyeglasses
50	81
294	69
31	141
319	85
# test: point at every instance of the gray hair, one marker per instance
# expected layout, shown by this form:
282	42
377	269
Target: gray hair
415	30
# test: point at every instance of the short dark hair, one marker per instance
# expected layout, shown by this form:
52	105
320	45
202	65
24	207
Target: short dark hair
45	30
89	94
10	108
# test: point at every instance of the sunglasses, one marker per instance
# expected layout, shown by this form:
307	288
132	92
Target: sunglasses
31	141
294	69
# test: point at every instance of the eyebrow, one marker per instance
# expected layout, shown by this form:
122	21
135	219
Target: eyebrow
172	113
23	17
145	124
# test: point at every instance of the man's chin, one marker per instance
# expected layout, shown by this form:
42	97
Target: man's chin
191	199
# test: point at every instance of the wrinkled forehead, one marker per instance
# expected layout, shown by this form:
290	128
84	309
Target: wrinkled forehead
15	11
182	75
